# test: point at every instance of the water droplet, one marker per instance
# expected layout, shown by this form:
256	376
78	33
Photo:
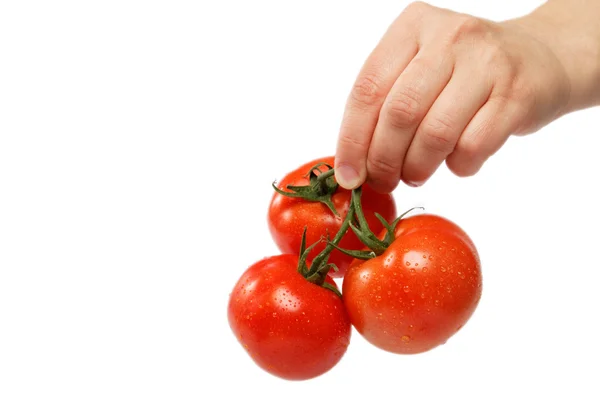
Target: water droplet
422	295
406	338
425	269
411	326
443	269
274	314
408	264
426	283
389	292
437	302
430	258
440	248
406	289
424	256
412	270
448	288
416	264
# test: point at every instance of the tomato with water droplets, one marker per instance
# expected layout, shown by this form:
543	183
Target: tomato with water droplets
287	217
420	291
290	327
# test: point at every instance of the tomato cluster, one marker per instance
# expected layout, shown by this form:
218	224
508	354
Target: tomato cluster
406	289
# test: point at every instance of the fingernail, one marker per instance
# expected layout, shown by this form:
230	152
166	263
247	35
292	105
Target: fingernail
347	176
415	183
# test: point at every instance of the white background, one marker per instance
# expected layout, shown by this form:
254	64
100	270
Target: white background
138	141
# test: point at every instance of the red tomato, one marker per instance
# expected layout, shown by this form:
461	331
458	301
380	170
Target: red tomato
420	291
291	327
288	216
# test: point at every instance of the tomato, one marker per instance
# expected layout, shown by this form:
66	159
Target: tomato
291	327
287	216
420	291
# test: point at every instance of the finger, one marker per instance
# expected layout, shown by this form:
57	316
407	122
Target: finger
484	135
438	133
387	61
406	105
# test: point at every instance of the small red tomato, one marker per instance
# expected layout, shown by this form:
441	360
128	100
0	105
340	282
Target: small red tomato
420	291
288	217
291	327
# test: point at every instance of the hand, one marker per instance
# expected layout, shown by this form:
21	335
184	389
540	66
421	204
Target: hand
445	86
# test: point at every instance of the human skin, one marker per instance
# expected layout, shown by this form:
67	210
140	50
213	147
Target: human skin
447	87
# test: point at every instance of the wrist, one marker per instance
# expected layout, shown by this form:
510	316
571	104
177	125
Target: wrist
576	45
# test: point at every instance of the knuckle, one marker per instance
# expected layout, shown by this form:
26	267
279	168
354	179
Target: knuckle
382	167
461	168
498	57
352	142
367	90
471	147
513	89
417	8
523	91
403	109
467	27
437	134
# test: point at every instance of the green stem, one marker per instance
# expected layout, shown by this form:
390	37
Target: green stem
356	194
324	255
321	187
364	233
327	174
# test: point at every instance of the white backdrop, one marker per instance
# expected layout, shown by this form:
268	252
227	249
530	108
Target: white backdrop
138	142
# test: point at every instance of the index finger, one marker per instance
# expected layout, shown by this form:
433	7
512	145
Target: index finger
382	68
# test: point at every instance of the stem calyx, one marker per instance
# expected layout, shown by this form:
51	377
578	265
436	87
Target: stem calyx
321	187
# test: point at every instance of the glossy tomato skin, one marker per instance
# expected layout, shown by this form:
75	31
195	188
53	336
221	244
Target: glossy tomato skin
290	327
287	217
420	291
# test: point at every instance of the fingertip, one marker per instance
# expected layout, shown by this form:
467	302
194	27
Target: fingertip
347	176
415	184
417	176
463	167
383	186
